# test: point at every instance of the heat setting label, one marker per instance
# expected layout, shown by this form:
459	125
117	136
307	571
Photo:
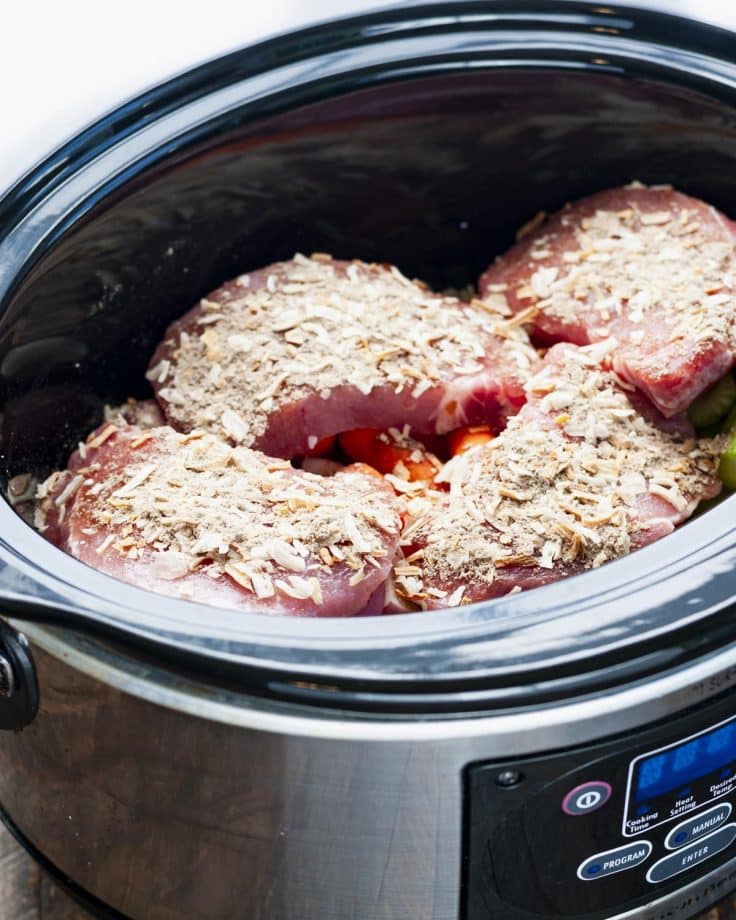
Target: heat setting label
675	780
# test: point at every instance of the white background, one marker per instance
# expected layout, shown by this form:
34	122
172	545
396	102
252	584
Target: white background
65	62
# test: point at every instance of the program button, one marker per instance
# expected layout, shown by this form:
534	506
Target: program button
610	861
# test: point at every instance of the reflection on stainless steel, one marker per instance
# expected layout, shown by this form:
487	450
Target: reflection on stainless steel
307	828
689	900
133	767
7	680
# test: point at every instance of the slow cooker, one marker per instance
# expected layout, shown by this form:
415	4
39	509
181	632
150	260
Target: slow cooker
564	753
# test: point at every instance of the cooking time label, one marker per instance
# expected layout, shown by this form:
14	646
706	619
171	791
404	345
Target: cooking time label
680	777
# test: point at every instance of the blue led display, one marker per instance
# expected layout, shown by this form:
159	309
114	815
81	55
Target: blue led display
680	765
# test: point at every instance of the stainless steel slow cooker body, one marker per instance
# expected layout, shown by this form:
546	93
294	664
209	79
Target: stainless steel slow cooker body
186	761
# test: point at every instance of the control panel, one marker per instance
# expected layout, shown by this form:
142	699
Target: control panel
603	829
680	777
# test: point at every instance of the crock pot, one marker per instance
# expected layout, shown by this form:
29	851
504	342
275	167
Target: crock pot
567	752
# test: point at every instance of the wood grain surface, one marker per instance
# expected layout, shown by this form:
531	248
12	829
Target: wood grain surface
26	893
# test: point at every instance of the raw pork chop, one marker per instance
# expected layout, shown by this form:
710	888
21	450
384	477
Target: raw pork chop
577	478
192	516
650	267
308	348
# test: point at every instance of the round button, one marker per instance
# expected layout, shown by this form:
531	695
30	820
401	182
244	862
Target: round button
508	778
586	798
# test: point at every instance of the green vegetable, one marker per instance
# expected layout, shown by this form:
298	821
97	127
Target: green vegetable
727	465
730	424
714	404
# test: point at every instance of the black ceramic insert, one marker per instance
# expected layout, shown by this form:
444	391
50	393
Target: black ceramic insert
425	137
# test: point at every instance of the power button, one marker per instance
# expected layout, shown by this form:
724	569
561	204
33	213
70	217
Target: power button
586	798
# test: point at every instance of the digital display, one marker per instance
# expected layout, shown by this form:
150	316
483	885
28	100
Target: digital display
676	767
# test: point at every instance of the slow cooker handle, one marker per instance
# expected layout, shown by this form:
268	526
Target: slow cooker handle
22	598
18	680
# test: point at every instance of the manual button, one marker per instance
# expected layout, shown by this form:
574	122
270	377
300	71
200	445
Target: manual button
689	856
610	861
701	824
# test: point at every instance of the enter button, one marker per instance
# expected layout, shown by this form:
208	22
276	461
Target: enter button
701	824
692	855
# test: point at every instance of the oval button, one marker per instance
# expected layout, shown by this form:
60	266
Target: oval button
610	861
692	855
703	823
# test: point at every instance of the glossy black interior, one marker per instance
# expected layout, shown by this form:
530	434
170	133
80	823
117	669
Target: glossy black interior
424	142
433	175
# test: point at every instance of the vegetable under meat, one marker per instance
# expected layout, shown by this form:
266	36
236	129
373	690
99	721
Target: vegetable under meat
462	439
391	452
714	405
727	466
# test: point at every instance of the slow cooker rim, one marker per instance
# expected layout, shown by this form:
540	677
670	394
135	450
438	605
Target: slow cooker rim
51	595
529	728
400	653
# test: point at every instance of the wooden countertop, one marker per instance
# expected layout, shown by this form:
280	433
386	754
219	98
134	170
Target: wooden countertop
26	893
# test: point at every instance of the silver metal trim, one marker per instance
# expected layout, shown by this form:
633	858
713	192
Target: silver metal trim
398	802
689	901
722	807
506	734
